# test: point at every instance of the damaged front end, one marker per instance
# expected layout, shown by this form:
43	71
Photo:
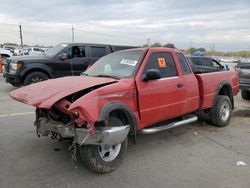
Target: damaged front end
72	109
61	124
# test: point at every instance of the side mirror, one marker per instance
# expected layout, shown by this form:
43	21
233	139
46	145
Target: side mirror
63	56
151	74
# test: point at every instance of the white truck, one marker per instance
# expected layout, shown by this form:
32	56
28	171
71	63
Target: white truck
5	53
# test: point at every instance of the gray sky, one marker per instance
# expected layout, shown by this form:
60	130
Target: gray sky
224	23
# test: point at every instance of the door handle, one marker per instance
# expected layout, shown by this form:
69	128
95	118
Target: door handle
179	85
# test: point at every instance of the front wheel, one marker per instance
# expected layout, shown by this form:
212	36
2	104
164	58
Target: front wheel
104	158
35	77
220	114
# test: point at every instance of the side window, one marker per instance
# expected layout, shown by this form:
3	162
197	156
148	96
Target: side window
97	51
164	62
68	52
184	64
40	50
207	62
215	64
82	51
196	61
75	52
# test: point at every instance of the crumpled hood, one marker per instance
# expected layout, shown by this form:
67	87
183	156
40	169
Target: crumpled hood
45	94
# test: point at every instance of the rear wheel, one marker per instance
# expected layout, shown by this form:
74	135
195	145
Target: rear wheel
35	77
245	94
220	114
104	158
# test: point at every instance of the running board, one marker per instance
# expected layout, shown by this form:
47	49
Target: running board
189	119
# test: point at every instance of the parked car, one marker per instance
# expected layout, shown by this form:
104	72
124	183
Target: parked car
127	92
11	49
33	51
244	73
18	51
5	53
202	64
67	59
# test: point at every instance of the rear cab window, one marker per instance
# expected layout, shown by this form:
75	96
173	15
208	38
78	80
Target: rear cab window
184	64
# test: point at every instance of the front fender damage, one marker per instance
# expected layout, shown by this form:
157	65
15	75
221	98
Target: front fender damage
80	125
103	135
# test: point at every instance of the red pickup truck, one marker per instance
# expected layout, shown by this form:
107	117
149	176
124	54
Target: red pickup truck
126	93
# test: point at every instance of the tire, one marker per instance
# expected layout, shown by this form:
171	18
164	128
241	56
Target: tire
245	94
35	77
220	114
91	154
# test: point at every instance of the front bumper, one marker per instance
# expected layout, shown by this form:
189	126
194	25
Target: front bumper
103	135
244	84
12	79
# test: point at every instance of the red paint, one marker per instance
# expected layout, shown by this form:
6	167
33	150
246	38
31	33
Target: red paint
209	82
158	100
47	93
64	105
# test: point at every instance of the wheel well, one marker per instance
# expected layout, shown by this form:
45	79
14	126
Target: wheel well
35	70
125	118
227	91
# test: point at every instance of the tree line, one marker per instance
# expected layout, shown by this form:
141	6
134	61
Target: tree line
244	54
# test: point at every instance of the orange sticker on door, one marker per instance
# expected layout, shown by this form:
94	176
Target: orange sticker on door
162	62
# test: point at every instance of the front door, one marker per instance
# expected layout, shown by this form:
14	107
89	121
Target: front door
163	98
76	62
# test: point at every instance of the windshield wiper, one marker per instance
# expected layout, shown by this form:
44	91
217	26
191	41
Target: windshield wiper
107	76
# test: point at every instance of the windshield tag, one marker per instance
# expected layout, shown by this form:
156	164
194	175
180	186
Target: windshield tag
128	62
107	69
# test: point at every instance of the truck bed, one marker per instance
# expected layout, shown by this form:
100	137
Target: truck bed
211	83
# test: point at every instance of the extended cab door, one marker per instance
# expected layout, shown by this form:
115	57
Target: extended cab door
191	85
163	98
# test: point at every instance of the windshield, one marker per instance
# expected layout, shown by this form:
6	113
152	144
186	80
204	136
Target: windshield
53	51
120	64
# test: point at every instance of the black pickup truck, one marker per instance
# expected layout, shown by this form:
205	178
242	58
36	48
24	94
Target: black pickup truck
244	71
66	59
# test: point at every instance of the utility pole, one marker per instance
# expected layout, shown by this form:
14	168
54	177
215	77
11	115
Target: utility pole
213	49
148	42
21	34
190	45
73	34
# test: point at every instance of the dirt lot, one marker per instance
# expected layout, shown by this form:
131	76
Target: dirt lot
197	155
